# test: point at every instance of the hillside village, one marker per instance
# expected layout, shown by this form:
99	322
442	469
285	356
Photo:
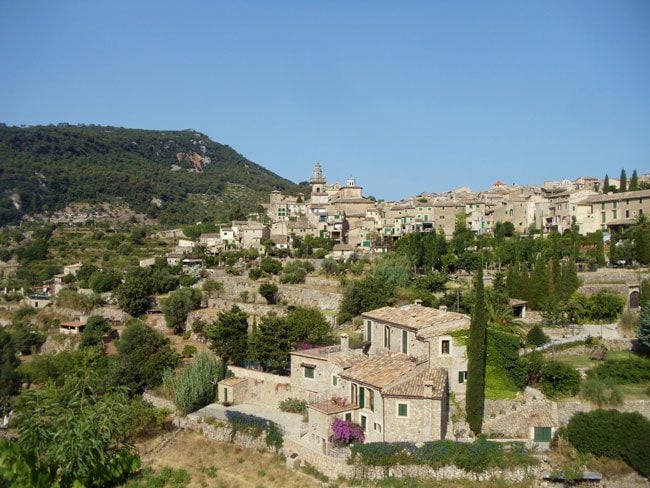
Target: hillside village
333	325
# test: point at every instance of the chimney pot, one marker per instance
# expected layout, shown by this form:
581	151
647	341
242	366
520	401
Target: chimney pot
345	342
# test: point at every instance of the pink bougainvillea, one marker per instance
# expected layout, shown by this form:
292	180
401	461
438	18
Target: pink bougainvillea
344	432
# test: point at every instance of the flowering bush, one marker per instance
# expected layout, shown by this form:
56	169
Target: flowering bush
344	432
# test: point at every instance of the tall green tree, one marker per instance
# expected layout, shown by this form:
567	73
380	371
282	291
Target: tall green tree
9	378
634	181
70	437
143	356
539	284
622	186
270	343
477	355
606	184
228	335
641	235
643	335
178	305
133	295
307	324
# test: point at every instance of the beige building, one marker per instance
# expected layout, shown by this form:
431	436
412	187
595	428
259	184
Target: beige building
397	388
618	209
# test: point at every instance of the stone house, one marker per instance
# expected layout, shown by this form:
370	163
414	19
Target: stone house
396	387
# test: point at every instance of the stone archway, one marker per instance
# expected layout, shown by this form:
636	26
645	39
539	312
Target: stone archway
634	299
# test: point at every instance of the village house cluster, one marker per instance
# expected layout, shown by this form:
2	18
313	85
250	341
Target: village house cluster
357	224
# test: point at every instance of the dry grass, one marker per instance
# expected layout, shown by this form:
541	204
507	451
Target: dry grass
212	463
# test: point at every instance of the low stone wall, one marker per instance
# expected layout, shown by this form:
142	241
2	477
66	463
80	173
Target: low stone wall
264	388
566	410
222	432
330	466
300	295
445	473
159	402
629	276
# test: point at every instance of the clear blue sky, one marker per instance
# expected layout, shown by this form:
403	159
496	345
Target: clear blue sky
405	96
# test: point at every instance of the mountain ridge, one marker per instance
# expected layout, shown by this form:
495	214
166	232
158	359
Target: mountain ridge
157	172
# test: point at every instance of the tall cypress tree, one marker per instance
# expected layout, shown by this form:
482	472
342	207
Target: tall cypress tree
477	352
539	284
634	182
606	184
622	186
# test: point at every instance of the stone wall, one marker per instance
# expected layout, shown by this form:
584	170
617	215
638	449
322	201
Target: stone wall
159	402
300	295
566	410
264	388
604	275
222	432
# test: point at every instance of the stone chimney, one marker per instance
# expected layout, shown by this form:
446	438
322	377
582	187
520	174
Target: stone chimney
429	389
442	308
345	343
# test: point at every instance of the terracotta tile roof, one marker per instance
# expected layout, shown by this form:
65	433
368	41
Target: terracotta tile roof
381	370
416	317
615	197
232	381
331	407
76	324
414	387
346	361
318	352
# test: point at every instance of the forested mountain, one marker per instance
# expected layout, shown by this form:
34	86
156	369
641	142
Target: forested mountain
175	176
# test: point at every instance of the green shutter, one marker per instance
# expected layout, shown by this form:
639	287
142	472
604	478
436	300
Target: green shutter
402	410
362	397
461	378
348	417
405	347
542	434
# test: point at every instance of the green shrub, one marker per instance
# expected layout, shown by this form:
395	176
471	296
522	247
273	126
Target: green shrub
255	273
274	437
613	434
559	379
601	392
195	385
536	336
293	405
627	371
189	350
476	457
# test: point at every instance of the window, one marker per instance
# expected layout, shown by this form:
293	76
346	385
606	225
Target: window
371	399
444	346
362	397
335	380
354	392
405	342
309	372
462	376
387	337
602	206
368	330
402	410
348	417
603	217
364	422
377	427
614	205
627	214
613	214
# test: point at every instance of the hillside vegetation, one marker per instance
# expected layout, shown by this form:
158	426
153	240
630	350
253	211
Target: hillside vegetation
174	176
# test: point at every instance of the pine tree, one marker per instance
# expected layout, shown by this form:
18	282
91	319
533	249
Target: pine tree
622	186
570	280
606	184
477	354
634	182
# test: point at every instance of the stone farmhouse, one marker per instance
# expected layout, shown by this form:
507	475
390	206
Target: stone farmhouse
396	386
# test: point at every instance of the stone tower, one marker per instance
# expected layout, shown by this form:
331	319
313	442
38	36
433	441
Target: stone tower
317	180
